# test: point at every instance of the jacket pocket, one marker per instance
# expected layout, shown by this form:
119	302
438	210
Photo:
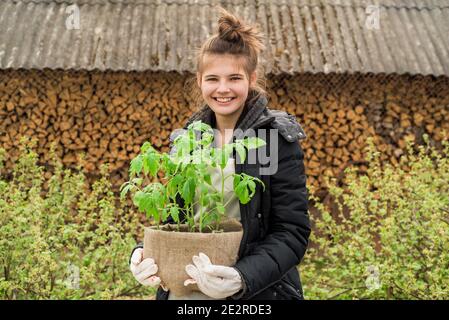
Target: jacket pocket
288	291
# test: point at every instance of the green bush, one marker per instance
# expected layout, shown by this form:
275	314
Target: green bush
70	242
388	235
388	239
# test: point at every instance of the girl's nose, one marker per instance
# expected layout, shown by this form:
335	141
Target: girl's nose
223	87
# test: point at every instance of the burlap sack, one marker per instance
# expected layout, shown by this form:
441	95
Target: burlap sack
173	250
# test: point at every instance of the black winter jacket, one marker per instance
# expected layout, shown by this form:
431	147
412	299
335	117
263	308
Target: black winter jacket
275	222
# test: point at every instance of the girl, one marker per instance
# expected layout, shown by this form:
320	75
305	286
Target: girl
275	221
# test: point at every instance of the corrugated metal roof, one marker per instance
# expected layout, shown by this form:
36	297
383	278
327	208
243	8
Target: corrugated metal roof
302	35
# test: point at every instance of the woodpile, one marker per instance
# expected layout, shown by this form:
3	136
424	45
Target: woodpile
107	116
340	112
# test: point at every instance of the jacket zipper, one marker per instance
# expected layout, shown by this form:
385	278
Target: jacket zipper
261	225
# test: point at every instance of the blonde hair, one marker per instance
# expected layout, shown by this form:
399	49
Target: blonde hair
237	38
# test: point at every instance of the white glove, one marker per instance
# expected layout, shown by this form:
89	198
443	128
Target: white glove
144	271
215	281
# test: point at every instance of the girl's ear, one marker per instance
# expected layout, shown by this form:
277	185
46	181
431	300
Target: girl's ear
253	79
198	79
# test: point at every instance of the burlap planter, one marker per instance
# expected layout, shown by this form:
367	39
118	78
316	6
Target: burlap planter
172	250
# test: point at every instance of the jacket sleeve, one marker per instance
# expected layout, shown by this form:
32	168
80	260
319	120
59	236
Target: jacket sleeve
289	227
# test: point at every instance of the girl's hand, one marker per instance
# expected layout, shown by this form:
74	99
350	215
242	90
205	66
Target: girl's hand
215	281
144	270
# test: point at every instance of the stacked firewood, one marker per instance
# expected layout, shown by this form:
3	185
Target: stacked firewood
107	116
340	112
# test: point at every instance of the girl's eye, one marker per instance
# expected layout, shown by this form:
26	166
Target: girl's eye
233	78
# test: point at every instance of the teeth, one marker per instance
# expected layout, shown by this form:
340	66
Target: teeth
224	99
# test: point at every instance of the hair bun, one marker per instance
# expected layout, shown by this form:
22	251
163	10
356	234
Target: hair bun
229	27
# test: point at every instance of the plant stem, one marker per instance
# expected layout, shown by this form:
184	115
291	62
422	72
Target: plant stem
229	175
221	195
201	214
208	211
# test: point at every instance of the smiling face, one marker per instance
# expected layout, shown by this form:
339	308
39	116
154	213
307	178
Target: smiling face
224	84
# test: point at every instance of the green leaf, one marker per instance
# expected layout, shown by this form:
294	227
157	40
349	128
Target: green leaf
164	214
146	147
228	148
143	201
160	198
244	197
215	197
242	191
238	189
125	190
210	218
137	181
208	179
197	157
260	181
241	151
237	179
199	125
252	187
220	208
167	164
206	200
190	173
188	190
222	158
151	164
136	165
172	185
153	212
253	142
174	213
206	139
184	146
